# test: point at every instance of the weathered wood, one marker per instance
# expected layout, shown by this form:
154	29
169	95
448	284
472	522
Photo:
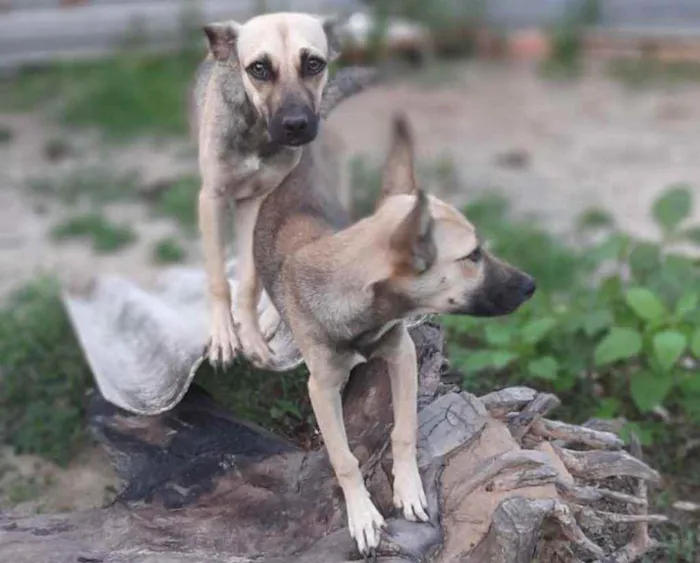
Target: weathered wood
598	465
521	423
201	485
572	434
589	495
504	401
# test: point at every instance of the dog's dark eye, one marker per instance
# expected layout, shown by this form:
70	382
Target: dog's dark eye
474	256
313	65
259	70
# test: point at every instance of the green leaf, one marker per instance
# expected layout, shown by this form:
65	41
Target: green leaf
498	334
686	305
611	248
668	347
672	207
644	435
645	304
692	235
595	218
644	260
534	332
544	368
619	344
649	390
695	343
609	407
596	321
485	359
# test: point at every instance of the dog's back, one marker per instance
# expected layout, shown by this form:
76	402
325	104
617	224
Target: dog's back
305	207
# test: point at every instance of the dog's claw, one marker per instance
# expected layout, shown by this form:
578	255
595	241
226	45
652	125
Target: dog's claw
370	555
253	345
223	344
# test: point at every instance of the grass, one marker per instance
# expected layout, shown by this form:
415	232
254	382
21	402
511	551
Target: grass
99	185
646	71
277	401
126	96
21	489
104	235
92	184
44	375
168	251
179	202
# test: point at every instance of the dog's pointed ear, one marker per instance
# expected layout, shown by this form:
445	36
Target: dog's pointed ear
222	38
330	28
398	175
412	243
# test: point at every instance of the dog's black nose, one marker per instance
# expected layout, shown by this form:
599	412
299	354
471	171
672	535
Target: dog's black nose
529	286
295	124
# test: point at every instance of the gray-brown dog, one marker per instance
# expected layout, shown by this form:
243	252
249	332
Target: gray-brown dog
344	291
257	99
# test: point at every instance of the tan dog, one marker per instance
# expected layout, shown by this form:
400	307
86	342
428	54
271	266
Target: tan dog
257	99
345	289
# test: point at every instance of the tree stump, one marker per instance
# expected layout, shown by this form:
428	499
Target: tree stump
504	484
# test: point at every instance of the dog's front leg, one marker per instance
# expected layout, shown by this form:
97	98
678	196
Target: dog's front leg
249	287
329	369
223	343
399	352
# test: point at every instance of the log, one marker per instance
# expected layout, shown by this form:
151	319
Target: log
201	485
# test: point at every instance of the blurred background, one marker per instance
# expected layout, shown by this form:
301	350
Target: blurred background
566	129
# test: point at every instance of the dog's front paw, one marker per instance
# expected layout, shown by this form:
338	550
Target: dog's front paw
409	495
254	346
223	343
365	522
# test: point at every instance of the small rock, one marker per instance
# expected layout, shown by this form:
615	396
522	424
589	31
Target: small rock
5	134
57	149
513	159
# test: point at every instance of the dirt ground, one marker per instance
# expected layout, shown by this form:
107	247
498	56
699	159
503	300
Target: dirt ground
552	148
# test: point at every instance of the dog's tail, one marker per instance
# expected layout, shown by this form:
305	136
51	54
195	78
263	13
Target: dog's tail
347	82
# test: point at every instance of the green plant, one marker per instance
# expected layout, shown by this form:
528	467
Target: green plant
44	376
104	235
277	401
566	38
168	251
615	320
179	202
92	184
648	71
133	93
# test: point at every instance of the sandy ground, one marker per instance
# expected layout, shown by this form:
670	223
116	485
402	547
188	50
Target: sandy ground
590	142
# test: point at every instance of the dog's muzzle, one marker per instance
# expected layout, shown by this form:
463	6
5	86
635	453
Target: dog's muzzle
503	290
293	124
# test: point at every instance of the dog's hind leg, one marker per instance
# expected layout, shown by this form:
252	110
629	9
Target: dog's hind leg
399	353
328	370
